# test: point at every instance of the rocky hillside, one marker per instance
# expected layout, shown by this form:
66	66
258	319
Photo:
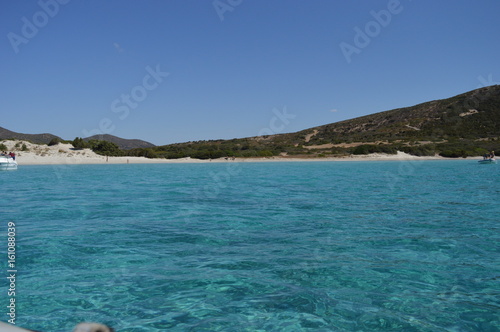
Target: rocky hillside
467	124
472	115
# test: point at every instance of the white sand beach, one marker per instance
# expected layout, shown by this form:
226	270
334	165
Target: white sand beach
65	154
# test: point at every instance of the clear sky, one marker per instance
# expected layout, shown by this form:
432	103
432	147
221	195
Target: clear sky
184	70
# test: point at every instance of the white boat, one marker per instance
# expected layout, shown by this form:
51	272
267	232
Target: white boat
4	327
488	161
7	163
83	327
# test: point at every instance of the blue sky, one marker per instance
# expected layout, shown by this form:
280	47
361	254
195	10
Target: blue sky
175	71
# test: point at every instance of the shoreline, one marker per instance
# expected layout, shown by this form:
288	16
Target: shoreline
103	160
65	154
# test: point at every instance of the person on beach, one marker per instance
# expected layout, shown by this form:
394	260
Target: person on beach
12	155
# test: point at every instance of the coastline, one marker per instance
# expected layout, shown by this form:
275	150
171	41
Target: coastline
65	154
102	160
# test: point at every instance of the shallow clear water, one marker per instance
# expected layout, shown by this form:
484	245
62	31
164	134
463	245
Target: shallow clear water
306	246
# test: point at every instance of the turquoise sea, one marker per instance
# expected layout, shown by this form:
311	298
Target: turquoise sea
286	246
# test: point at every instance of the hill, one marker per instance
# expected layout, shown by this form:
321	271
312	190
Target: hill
124	144
472	115
467	124
34	138
464	125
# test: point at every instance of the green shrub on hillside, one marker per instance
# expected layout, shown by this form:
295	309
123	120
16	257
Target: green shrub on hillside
54	141
105	148
420	150
370	148
78	143
453	153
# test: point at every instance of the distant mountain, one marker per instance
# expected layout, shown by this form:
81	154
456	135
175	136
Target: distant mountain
35	138
124	144
467	124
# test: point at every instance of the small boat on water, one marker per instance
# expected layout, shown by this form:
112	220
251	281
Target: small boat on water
488	161
7	163
83	327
